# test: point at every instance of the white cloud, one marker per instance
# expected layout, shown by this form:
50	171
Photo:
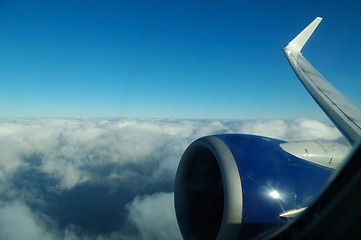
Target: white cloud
18	222
154	216
292	130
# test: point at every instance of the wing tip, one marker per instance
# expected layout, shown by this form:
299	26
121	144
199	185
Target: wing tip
300	40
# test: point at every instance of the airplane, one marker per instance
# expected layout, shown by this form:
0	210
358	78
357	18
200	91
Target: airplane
238	186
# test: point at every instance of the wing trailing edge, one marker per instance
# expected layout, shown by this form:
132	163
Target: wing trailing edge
342	112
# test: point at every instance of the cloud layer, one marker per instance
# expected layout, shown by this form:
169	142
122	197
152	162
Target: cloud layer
107	178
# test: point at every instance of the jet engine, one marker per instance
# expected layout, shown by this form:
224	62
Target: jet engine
235	186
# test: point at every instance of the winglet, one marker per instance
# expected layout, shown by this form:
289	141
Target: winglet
299	41
341	111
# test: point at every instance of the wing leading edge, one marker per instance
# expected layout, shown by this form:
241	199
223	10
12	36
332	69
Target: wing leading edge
342	112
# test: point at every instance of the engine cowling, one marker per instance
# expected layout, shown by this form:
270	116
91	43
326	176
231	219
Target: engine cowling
234	186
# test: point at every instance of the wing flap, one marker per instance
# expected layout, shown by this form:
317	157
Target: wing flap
341	111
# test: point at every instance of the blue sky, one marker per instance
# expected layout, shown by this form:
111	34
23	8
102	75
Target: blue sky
172	59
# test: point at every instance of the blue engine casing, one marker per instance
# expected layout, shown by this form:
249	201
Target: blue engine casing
233	186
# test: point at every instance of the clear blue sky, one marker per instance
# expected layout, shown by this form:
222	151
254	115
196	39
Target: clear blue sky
178	59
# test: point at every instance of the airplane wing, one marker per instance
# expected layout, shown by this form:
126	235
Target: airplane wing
342	112
233	186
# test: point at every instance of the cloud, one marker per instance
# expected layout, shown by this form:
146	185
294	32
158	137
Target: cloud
292	130
108	178
18	222
157	209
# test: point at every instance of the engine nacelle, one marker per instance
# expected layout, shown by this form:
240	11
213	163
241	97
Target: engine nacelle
233	186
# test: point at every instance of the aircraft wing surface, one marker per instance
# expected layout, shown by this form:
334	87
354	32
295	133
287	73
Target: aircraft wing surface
342	112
